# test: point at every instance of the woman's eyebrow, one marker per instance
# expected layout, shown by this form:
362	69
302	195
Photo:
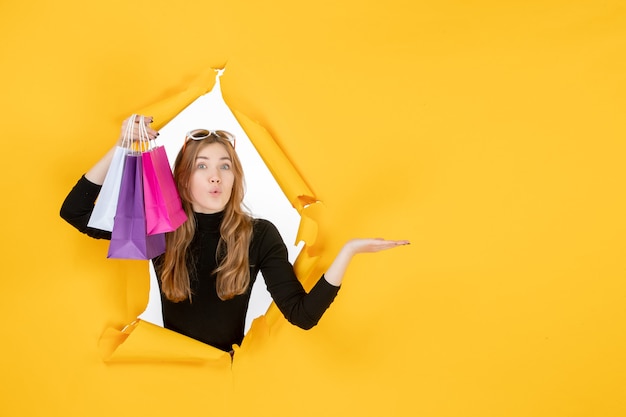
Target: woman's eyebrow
223	158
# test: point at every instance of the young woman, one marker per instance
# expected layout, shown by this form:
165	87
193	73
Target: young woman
212	260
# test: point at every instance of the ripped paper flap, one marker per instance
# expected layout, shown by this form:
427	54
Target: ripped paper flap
165	110
142	341
285	173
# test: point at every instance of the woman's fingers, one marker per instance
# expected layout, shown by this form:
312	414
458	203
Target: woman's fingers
375	245
135	131
147	119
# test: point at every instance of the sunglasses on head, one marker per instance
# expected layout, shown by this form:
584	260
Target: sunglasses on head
200	134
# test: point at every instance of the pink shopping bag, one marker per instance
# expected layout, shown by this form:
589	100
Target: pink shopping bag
164	210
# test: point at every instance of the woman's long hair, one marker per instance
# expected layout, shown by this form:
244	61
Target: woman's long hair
233	272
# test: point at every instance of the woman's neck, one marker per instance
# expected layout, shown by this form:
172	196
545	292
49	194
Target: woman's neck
209	222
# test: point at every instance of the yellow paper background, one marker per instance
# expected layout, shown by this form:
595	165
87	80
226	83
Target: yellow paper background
490	134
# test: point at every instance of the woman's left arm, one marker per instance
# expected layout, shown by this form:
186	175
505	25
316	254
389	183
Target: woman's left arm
338	268
269	254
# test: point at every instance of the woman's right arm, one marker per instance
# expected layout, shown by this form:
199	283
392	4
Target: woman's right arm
79	203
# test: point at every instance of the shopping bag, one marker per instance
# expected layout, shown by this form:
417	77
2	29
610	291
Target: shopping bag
104	210
103	214
164	210
129	239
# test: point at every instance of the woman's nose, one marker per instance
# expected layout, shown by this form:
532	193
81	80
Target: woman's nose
214	179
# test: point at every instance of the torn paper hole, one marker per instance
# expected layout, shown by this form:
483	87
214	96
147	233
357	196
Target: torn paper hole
264	197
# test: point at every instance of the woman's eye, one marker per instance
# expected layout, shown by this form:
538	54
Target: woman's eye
225	166
201	166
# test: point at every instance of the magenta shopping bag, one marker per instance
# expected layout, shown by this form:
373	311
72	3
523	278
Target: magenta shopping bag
164	210
129	239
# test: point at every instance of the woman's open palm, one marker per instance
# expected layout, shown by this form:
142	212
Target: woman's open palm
373	245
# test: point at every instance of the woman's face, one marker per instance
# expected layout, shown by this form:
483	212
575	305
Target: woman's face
212	179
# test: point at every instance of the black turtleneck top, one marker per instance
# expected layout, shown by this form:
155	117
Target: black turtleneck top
207	318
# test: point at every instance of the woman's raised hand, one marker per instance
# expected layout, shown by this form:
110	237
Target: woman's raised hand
152	134
98	172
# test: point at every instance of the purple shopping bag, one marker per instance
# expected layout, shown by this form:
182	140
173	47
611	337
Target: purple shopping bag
164	210
129	239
